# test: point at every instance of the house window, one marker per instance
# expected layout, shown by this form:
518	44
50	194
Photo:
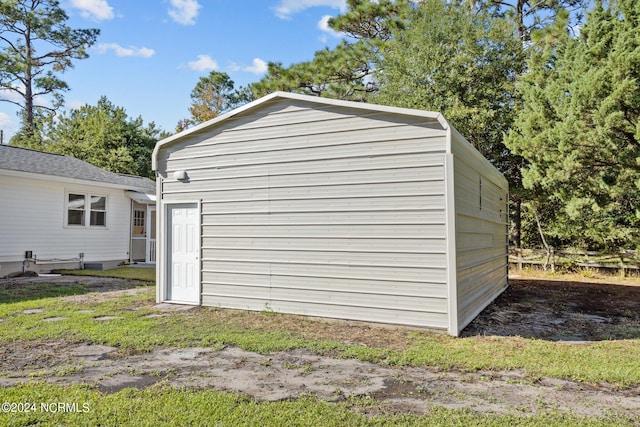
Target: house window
75	209
83	209
138	223
98	211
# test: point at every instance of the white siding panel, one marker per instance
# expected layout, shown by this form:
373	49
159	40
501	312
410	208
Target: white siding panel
205	168
345	204
323	211
368	176
414	188
361	312
362	287
33	218
319	231
433	275
393	244
345	151
481	231
256	142
423	216
327	257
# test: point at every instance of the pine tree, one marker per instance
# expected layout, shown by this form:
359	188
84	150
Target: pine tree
579	128
462	64
36	46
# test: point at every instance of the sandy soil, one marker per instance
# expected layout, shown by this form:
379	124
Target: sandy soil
560	311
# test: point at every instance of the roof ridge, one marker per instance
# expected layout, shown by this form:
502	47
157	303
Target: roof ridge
36	151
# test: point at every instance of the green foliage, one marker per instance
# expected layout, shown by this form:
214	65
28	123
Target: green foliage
349	70
532	15
102	135
35	46
340	73
371	20
212	96
461	64
579	128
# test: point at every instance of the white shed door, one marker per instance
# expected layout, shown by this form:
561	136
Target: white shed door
183	252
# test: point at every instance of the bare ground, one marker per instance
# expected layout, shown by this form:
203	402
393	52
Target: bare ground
560	311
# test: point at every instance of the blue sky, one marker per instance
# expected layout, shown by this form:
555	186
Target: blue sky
151	53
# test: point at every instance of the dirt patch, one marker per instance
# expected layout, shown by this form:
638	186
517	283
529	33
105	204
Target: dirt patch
576	312
557	310
289	375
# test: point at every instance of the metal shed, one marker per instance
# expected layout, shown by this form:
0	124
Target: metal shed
330	208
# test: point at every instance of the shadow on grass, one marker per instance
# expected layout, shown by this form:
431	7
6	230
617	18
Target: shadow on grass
34	288
14	291
557	310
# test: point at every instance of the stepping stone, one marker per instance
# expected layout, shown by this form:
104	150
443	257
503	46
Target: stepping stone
91	350
173	307
33	311
1	320
53	319
153	316
105	318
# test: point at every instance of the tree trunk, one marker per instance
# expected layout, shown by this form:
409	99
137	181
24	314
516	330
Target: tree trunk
518	223
544	241
28	85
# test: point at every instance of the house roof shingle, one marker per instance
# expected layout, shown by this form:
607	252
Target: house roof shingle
32	161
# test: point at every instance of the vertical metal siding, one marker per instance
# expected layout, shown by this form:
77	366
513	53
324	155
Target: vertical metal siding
319	210
481	218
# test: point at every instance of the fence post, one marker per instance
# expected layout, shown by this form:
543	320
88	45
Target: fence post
553	259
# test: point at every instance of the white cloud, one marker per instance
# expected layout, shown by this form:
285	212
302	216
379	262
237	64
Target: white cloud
286	8
323	25
95	9
233	67
143	52
10	95
203	63
184	11
259	67
74	104
8	126
5	120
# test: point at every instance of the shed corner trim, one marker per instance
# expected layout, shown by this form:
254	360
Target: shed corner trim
453	327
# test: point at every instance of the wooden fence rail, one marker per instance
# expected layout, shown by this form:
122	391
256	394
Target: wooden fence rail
625	261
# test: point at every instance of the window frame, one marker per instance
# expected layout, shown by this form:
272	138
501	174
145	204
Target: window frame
87	210
69	209
139	221
92	210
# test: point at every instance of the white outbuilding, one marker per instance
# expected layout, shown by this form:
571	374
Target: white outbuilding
314	206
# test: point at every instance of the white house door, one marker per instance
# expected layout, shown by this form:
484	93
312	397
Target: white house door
183	252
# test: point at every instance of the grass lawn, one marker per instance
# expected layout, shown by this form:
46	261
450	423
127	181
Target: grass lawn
616	363
167	406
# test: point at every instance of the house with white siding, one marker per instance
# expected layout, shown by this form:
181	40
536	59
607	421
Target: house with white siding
331	208
60	212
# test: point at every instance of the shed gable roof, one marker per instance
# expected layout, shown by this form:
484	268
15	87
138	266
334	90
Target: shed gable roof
57	165
437	117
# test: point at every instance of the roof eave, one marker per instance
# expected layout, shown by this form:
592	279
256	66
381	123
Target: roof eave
68	180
